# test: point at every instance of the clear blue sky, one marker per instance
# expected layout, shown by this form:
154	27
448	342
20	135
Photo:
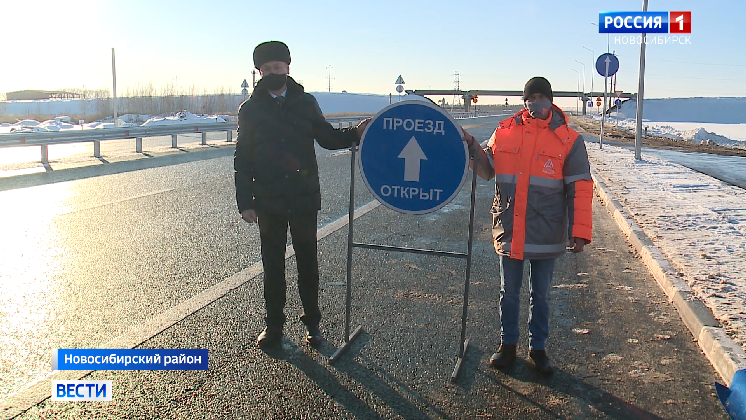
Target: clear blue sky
493	44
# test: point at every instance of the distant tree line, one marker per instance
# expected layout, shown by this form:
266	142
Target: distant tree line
96	104
149	100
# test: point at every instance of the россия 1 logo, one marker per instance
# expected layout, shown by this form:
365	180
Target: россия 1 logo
645	22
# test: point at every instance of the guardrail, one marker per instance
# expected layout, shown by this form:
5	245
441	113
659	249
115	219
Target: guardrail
44	139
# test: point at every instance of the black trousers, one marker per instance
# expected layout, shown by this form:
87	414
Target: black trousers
273	233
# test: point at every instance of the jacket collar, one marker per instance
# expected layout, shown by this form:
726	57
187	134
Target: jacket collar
556	118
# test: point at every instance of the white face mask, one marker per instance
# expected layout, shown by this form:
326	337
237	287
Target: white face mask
538	109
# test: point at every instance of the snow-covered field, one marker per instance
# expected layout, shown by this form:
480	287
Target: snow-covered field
716	120
694	132
698	222
330	102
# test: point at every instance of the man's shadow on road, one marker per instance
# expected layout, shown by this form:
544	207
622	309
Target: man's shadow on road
568	384
395	395
408	403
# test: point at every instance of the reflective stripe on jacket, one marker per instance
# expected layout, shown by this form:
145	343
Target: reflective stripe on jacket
543	186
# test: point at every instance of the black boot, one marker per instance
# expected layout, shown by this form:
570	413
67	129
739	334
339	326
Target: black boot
314	337
541	361
504	357
271	336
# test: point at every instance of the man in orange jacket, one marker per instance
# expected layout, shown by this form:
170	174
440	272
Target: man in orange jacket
543	197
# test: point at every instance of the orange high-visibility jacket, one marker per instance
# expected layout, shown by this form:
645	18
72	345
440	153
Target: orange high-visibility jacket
543	186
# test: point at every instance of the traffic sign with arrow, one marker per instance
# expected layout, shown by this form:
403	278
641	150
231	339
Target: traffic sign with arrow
607	64
412	157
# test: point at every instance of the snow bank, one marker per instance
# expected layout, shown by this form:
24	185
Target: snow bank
703	136
338	103
182	117
697	135
705	110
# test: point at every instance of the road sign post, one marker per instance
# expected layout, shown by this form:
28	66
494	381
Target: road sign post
618	104
607	65
399	88
413	160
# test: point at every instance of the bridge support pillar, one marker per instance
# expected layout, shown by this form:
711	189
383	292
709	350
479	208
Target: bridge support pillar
584	103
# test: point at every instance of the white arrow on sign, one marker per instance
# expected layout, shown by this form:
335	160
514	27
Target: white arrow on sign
412	155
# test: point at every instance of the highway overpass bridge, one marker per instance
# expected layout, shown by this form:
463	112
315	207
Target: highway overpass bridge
468	95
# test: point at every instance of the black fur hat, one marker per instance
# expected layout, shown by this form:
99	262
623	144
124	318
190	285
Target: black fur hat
271	51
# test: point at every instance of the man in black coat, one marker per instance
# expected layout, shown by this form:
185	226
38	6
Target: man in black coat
277	182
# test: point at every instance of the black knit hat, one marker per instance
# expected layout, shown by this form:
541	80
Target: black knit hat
538	85
271	51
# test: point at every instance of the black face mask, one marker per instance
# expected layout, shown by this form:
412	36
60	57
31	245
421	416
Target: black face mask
274	82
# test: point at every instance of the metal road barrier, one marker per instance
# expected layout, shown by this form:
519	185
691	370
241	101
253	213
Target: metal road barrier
44	139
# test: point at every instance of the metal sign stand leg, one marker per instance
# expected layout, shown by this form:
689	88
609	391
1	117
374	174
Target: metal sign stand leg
348	303
464	342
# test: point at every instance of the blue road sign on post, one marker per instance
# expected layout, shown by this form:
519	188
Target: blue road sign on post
590	104
601	64
618	102
412	157
734	398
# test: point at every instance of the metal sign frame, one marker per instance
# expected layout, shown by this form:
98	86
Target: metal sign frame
348	338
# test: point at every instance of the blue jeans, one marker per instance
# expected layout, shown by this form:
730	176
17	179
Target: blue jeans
511	278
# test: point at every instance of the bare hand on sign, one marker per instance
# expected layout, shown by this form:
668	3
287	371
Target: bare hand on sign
467	138
360	128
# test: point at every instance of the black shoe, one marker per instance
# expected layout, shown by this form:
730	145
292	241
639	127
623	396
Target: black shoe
314	337
504	357
541	361
269	337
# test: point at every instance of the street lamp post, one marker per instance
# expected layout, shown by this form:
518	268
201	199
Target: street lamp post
607	36
578	89
593	61
583	84
583	75
640	93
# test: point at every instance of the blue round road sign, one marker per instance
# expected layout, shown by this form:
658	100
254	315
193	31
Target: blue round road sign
601	64
412	157
618	102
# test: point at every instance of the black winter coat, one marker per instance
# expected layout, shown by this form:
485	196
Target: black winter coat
275	160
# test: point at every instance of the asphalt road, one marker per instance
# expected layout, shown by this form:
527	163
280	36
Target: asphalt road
100	256
90	252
